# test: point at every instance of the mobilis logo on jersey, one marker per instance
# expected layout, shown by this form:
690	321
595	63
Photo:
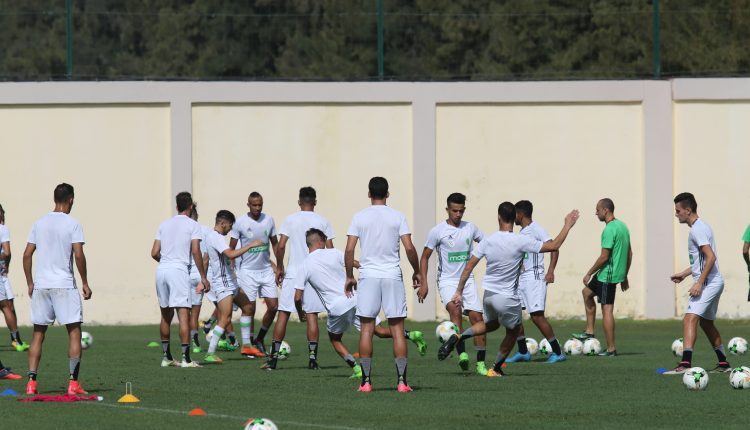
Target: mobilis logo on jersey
458	257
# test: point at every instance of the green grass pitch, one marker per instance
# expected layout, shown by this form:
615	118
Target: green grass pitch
599	392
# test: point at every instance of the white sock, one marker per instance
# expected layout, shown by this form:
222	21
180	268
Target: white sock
245	329
218	331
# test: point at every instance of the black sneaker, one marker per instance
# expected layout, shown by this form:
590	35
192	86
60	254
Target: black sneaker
722	367
607	354
313	365
445	349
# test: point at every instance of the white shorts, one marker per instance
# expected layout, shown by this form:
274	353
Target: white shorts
533	294
286	299
338	324
311	302
470	297
5	292
173	288
258	283
376	293
707	303
502	308
195	298
61	304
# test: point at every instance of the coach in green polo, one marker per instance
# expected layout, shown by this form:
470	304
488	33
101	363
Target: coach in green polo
611	268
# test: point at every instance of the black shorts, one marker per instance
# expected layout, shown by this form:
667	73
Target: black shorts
605	292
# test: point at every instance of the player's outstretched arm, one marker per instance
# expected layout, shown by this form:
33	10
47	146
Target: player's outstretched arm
82	270
156	250
234	253
470	265
27	255
351	284
680	276
556	243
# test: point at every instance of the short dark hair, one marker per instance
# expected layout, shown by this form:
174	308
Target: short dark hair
2	211
184	200
254	195
378	187
194	215
307	195
63	192
314	235
525	207
456	198
225	215
507	212
687	200
608	204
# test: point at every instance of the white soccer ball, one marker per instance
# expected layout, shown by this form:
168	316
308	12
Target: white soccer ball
445	330
284	351
695	379
86	339
677	347
260	424
737	346
740	378
532	346
573	347
591	346
544	347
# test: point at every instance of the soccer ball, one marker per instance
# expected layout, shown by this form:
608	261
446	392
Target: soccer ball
740	378
544	347
591	346
695	379
677	347
573	347
532	346
86	339
737	346
260	424
445	330
284	351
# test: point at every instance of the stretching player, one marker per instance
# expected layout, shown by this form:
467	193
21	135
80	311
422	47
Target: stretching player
532	285
504	251
610	268
708	284
453	241
381	286
177	239
6	293
293	232
223	280
54	296
195	279
256	274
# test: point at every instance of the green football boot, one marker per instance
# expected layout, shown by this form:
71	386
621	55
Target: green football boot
418	338
463	361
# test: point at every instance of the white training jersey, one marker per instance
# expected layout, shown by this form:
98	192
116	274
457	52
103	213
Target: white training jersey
504	252
54	235
453	246
175	235
4	237
204	232
379	229
295	227
247	230
221	272
533	262
700	235
324	270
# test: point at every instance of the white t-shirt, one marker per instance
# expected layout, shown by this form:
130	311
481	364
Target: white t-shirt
4	237
533	262
379	229
324	270
54	235
295	227
175	235
701	234
504	252
453	246
221	272
247	230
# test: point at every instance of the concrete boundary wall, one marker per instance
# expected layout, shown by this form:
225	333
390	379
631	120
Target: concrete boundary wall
656	98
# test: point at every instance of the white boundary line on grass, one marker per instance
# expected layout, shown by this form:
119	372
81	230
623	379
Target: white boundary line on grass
175	412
